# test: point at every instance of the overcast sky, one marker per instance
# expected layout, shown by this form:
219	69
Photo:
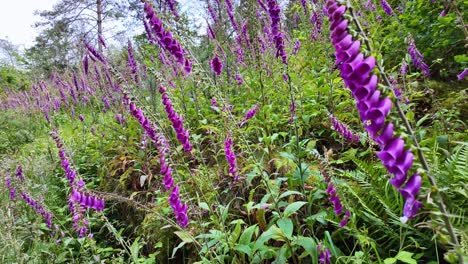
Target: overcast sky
17	19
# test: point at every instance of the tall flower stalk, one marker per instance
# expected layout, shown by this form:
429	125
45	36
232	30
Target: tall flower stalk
356	71
179	208
440	202
166	40
182	135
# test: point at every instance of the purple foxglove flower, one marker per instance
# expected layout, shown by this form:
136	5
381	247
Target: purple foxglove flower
356	71
95	53
166	40
151	38
324	256
102	41
250	113
216	65
417	57
131	62
343	130
173	7
212	13
12	194
180	210
297	45
39	208
444	12
345	219
231	157
19	173
86	64
463	74
277	35
386	7
239	79
292	110
230	12
317	20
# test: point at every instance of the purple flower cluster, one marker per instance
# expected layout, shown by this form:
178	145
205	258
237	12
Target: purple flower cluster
77	205
324	256
230	13
343	130
250	113
417	57
95	54
19	173
120	119
182	135
231	157
131	62
216	65
39	208
292	110
335	200
144	122
86	64
86	200
403	69
297	45
386	7
212	13
180	210
214	103
10	188
274	12
69	171
462	74
239	79
166	40
80	224
317	20
356	72
172	6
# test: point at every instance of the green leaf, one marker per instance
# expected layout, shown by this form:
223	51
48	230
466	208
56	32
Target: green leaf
246	236
286	226
135	249
186	237
309	246
292	208
406	257
289	193
243	249
390	260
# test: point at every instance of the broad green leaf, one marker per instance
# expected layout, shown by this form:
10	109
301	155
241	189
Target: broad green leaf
292	208
309	246
246	236
289	193
406	257
186	237
286	226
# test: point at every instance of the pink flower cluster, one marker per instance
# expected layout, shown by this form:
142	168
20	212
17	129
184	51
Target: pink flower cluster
166	40
343	130
231	157
182	135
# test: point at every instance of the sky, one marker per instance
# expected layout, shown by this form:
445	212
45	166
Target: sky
17	19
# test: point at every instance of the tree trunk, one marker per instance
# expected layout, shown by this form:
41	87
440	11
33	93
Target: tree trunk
99	22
